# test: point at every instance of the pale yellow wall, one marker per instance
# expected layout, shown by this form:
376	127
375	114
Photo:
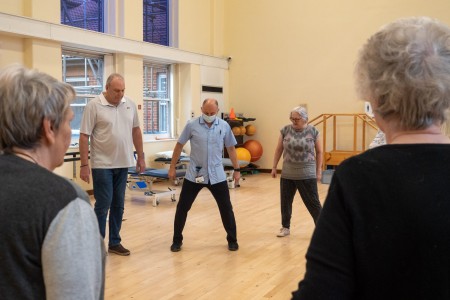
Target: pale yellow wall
201	26
45	10
13	7
131	19
44	56
194	26
195	91
189	89
303	51
131	68
217	28
11	50
184	102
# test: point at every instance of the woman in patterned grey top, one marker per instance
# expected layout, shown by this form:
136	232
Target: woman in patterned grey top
302	160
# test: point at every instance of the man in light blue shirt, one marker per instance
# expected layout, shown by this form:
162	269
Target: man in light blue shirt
208	136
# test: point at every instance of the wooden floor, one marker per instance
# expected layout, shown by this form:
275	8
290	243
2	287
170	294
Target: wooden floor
265	267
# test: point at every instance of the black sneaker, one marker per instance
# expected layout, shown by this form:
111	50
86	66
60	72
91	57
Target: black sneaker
119	250
175	247
233	246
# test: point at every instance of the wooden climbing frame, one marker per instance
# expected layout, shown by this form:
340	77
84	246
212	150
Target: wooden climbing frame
334	156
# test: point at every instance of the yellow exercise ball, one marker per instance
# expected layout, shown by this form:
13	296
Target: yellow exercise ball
250	130
244	155
236	130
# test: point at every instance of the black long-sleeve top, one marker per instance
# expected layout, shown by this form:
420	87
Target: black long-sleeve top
384	231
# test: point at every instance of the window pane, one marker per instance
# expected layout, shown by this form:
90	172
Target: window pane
157	105
164	116
87	14
156	22
85	74
78	109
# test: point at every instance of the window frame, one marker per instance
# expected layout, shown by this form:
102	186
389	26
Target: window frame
165	104
96	89
102	15
163	36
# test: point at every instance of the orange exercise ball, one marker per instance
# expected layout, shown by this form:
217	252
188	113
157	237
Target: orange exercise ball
255	149
250	130
236	130
243	130
243	154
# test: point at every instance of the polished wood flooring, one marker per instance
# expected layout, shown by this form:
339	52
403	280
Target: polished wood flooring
265	267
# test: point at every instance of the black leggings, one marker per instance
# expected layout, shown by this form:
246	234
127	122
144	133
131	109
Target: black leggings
220	193
308	192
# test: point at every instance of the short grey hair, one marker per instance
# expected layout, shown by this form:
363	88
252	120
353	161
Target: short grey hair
112	77
404	69
301	111
210	100
26	98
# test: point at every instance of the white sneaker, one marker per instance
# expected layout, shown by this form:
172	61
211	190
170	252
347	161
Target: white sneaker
283	232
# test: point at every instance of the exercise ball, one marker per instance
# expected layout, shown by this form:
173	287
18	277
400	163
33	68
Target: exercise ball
243	130
243	154
255	149
250	130
236	130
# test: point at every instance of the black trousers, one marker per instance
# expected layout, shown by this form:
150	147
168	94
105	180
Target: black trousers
310	196
221	194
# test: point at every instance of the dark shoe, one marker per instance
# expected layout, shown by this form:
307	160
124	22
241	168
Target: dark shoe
176	247
119	250
233	246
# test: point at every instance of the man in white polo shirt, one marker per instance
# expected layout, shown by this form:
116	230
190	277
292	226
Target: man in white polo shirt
111	124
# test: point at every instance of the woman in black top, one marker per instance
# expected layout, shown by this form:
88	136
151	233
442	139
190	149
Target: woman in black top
384	231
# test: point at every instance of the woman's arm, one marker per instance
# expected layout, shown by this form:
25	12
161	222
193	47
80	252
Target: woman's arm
72	254
319	158
277	155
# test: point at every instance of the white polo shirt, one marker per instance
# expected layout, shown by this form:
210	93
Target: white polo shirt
110	130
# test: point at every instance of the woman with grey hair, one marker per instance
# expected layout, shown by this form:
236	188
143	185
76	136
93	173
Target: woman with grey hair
51	246
302	166
384	231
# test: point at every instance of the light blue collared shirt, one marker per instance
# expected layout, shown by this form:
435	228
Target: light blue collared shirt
207	144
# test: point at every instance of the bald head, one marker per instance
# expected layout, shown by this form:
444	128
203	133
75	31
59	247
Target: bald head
210	108
210	101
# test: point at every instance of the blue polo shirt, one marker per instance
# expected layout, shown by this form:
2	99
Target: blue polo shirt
207	145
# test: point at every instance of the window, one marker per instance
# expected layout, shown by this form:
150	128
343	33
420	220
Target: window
85	74
157	104
156	21
87	14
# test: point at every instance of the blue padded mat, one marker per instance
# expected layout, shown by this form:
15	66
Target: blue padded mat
163	173
182	159
132	170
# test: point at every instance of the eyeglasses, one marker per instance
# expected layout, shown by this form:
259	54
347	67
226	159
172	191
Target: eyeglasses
295	119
